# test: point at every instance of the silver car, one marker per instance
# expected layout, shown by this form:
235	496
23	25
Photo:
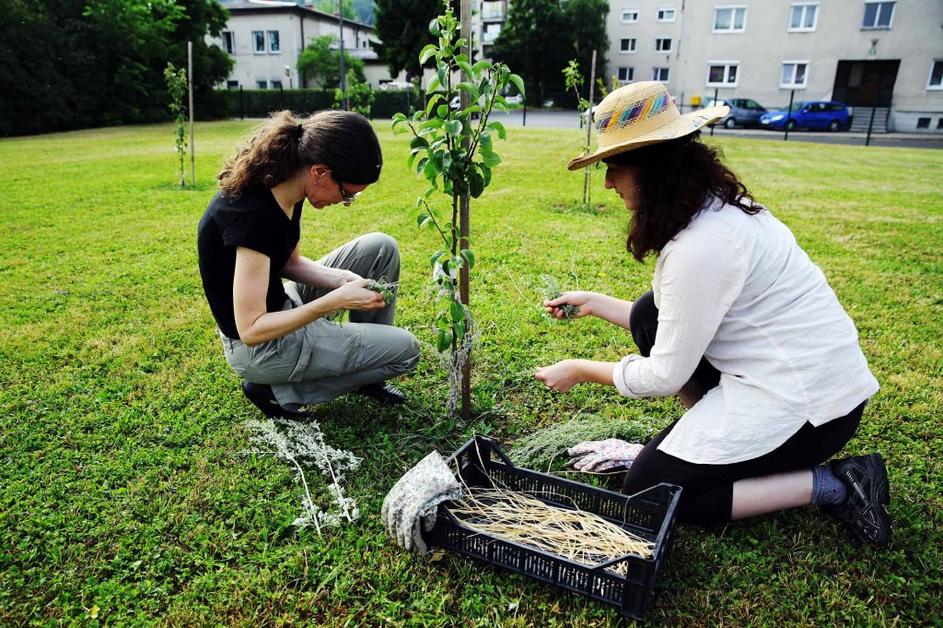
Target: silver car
743	112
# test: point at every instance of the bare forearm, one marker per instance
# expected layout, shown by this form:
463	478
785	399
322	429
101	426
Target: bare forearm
593	372
611	309
306	271
272	325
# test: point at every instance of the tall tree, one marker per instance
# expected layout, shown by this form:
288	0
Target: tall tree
403	27
586	25
534	42
321	64
102	60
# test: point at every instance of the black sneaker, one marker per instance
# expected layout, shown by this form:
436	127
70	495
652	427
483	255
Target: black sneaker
384	392
263	398
864	513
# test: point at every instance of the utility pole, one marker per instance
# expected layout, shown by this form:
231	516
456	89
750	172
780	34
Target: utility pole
340	23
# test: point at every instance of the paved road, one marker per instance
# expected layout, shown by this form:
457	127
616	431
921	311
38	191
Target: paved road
570	120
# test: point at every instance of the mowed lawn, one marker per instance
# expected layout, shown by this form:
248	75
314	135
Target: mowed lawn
126	495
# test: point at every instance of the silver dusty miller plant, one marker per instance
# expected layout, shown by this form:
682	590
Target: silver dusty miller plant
301	445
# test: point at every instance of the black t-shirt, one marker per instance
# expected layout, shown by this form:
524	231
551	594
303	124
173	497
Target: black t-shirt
254	221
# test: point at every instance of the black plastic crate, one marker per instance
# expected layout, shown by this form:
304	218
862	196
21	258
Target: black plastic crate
649	514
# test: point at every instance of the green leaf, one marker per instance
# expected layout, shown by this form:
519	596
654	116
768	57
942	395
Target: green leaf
442	111
467	69
434	123
486	145
453	127
469	257
518	83
418	142
484	64
444	341
434	84
470	88
431	170
431	102
456	311
491	159
434	28
460	330
423	219
427	52
498	128
476	184
435	258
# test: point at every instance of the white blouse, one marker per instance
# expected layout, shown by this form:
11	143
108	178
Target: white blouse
737	289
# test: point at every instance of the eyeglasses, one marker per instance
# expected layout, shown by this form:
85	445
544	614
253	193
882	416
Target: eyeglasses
346	197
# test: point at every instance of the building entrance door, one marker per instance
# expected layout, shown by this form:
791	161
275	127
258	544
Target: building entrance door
865	83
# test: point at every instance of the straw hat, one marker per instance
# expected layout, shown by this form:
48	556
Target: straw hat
640	114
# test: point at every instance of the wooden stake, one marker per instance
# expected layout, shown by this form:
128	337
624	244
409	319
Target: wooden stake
190	85
464	213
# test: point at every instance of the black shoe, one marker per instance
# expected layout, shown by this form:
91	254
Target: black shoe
864	513
384	392
263	398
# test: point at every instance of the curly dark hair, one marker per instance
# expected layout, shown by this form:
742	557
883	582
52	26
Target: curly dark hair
676	179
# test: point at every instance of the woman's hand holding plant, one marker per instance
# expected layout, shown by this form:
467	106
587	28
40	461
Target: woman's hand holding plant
354	295
580	305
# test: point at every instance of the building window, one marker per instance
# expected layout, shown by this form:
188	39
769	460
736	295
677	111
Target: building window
723	73
660	74
936	75
232	84
939	123
261	84
273	45
802	17
730	19
229	43
878	15
923	123
665	15
662	44
629	16
258	41
626	74
627	45
276	84
794	74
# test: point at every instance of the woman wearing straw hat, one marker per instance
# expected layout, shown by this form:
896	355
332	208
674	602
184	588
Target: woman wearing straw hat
739	324
274	334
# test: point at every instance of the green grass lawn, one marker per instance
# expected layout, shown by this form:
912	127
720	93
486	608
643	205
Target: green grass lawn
125	492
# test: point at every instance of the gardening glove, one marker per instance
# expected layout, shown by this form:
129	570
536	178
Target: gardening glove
413	501
602	455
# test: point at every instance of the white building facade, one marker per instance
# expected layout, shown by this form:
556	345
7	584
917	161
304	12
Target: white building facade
266	37
865	53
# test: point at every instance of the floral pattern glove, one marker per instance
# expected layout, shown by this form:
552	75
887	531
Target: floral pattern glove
602	455
414	498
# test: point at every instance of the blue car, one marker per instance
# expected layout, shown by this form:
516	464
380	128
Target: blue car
811	114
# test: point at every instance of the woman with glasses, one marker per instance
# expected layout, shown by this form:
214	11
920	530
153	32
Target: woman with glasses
275	335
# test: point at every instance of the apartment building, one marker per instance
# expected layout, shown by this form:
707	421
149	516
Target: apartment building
644	41
265	38
866	53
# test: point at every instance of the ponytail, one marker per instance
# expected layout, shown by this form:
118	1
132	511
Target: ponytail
341	140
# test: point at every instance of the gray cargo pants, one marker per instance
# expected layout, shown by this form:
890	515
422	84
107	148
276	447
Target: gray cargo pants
324	360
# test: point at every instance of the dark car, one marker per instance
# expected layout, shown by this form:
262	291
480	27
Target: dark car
827	115
743	112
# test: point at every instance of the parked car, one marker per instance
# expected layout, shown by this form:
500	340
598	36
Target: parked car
818	114
743	112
